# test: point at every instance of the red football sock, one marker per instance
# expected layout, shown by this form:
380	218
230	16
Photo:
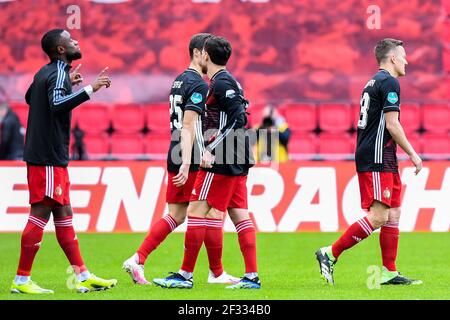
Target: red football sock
30	244
158	232
358	231
68	241
214	245
195	235
389	236
247	242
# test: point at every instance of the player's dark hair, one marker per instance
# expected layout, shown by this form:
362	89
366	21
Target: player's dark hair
50	41
197	42
218	49
385	46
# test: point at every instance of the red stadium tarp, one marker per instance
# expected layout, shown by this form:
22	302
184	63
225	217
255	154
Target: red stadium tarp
296	196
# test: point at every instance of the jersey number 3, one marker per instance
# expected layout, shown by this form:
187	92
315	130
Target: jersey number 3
175	101
365	103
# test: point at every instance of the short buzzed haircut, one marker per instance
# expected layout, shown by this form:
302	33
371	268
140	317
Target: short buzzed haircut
218	49
50	40
197	42
385	46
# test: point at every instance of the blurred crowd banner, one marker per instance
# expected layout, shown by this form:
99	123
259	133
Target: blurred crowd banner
296	196
311	50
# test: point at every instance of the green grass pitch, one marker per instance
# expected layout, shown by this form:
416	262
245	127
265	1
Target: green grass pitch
287	267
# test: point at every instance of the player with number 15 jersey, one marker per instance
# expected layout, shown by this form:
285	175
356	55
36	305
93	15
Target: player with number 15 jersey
187	100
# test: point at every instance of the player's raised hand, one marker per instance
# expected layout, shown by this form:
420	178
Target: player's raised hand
75	76
207	159
101	80
415	159
180	179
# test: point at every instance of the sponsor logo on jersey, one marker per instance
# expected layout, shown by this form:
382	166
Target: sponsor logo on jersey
196	97
387	193
230	94
392	97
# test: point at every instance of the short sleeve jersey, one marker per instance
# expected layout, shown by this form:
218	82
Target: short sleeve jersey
376	150
188	92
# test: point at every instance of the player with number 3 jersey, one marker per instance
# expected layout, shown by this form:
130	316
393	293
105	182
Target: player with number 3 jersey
379	132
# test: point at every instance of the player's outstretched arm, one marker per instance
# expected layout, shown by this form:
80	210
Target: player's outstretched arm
398	134
58	98
187	141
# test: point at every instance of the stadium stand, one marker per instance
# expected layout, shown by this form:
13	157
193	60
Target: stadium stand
315	94
128	118
93	118
300	117
335	117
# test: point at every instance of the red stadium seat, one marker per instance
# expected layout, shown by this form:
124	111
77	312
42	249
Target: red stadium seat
255	115
446	56
335	117
416	142
356	110
93	118
342	144
436	144
158	117
128	118
436	118
300	117
97	145
410	117
157	145
302	145
21	109
129	146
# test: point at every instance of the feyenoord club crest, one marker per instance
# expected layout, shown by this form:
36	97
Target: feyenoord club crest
58	190
387	193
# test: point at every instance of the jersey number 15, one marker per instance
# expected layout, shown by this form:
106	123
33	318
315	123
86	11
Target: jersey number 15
364	113
175	101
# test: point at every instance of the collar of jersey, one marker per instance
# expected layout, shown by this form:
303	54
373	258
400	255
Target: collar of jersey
381	69
215	74
65	65
193	70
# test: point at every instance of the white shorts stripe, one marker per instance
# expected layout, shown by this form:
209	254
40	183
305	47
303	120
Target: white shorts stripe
52	182
206	185
203	186
376	186
46	180
377	175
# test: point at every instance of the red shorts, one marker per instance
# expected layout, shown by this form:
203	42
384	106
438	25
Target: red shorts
179	194
48	182
385	187
220	191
